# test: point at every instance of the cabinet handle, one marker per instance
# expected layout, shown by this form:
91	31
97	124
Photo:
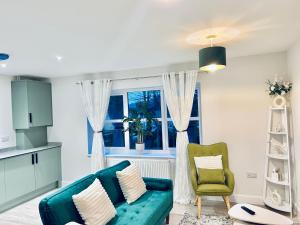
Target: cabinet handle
32	159
36	158
30	117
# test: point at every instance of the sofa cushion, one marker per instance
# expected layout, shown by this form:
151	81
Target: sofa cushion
59	207
110	181
131	182
94	205
151	208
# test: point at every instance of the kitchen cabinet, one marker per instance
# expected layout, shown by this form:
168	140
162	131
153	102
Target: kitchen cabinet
31	104
28	174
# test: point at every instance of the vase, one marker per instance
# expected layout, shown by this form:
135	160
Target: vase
140	147
279	101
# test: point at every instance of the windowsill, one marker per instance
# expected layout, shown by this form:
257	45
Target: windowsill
134	154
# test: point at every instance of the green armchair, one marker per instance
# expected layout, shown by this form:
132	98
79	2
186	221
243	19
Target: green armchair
224	190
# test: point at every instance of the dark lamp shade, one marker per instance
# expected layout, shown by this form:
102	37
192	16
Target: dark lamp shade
212	58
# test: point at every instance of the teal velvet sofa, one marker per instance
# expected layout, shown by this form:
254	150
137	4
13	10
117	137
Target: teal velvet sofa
152	208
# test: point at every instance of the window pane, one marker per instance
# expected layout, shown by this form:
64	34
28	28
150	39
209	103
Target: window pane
152	141
194	112
115	108
140	102
90	137
193	133
112	134
195	105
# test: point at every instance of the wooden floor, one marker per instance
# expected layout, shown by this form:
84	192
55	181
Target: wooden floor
27	213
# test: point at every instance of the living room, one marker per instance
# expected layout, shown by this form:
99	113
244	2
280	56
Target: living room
137	50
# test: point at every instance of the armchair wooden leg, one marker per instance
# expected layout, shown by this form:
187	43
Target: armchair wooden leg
199	206
196	201
227	201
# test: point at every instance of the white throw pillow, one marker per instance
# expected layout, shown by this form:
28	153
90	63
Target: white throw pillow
209	162
131	183
94	205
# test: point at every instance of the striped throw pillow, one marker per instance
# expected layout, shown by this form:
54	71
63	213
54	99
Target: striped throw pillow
131	183
94	205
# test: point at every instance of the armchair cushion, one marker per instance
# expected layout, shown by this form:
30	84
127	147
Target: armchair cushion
213	190
211	176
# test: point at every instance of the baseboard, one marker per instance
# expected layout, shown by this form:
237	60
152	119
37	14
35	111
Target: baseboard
251	199
238	198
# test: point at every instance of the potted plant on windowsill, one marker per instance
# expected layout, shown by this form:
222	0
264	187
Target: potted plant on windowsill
140	124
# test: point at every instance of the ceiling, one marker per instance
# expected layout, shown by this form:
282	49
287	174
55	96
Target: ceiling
98	35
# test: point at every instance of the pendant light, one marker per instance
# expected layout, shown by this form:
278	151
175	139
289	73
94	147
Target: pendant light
212	58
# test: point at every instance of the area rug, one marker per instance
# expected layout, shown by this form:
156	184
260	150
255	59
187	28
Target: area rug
188	219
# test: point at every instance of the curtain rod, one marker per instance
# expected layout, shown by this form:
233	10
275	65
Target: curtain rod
129	78
132	78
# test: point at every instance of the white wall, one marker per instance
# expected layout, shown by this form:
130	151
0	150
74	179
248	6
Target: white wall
294	73
234	110
6	127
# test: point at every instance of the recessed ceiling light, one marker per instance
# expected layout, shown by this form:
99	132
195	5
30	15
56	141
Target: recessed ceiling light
221	35
4	56
59	58
3	65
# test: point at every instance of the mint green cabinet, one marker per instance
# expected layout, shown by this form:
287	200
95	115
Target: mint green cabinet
19	176
23	177
47	167
31	104
2	182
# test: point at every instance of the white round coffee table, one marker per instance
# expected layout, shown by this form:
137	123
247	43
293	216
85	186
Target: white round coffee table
262	216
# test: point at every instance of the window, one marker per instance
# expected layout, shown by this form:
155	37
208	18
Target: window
160	133
148	102
194	124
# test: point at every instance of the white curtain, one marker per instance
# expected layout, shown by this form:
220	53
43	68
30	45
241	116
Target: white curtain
179	92
95	97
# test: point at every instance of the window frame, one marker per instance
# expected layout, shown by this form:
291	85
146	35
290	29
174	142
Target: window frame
164	122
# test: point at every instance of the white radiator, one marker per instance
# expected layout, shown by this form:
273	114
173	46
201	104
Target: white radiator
157	168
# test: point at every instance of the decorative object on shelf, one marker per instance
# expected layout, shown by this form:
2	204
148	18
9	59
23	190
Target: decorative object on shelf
279	101
140	124
212	58
276	197
276	175
278	147
279	89
279	127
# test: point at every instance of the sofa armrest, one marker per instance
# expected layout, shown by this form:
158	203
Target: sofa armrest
229	179
158	184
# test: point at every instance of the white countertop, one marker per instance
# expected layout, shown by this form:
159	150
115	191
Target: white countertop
14	151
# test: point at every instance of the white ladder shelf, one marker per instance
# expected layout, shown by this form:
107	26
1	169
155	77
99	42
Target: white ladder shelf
278	192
